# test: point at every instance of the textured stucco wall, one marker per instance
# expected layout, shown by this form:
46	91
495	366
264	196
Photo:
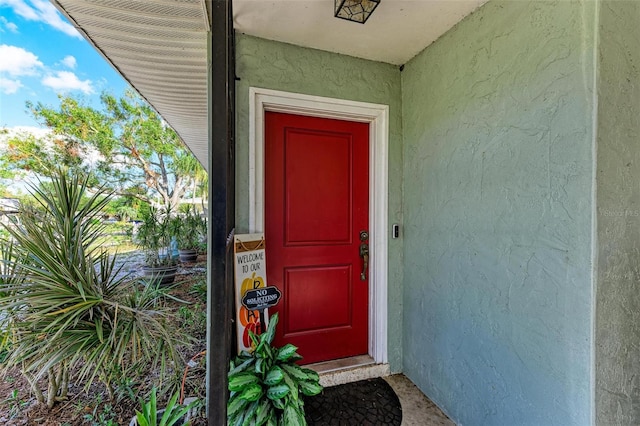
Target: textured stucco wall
618	201
498	140
279	66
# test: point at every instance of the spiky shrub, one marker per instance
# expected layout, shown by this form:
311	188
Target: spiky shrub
70	308
9	276
267	386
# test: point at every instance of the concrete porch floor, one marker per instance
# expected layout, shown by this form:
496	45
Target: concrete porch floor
417	409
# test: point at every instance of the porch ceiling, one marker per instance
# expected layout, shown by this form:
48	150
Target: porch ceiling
160	46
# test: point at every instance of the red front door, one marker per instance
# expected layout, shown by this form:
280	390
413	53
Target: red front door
316	205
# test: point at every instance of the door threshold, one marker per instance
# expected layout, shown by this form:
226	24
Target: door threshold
348	370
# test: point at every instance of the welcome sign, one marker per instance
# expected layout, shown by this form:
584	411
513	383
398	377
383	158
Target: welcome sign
253	297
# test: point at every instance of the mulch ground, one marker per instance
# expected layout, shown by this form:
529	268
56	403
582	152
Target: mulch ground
92	407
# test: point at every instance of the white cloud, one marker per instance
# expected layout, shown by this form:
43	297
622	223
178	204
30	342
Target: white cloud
38	132
8	25
21	8
8	86
66	80
69	61
41	11
18	61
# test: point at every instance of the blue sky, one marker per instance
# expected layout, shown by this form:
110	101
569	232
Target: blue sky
42	55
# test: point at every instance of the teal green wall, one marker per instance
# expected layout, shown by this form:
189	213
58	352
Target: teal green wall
279	66
618	195
498	181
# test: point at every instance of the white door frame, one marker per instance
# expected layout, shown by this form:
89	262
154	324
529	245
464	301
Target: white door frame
261	100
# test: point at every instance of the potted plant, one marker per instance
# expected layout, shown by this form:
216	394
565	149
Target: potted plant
189	232
267	386
154	236
174	414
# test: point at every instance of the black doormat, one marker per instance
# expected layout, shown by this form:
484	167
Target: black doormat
366	403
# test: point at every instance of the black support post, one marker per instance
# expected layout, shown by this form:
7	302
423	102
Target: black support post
221	113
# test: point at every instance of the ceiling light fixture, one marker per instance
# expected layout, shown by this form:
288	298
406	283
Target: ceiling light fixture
355	10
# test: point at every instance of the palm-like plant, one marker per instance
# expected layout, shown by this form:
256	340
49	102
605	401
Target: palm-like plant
9	276
154	236
70	303
191	228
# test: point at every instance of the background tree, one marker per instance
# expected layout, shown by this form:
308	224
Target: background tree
123	208
124	144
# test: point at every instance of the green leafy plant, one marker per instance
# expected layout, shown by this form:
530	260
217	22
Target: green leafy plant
125	388
186	315
67	305
104	417
154	236
190	229
267	386
15	404
200	289
172	414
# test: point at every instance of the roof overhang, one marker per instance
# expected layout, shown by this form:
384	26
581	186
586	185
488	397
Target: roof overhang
160	46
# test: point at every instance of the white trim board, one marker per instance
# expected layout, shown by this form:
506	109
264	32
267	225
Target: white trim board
261	100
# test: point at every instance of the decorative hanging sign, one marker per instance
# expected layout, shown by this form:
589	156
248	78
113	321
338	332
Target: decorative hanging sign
261	298
253	297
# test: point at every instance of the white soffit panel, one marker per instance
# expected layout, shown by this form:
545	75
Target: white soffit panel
160	46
